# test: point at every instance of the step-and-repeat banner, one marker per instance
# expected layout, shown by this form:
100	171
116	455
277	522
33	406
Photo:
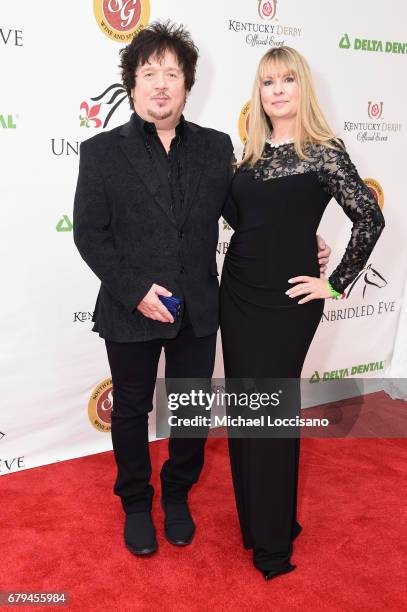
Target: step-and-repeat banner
61	85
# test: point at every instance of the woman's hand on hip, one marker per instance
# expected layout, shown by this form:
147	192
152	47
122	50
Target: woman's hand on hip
312	287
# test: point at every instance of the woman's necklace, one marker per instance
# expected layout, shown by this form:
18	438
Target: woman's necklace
279	144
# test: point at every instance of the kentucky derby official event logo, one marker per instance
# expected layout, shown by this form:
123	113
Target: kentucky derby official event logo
99	114
100	406
243	125
120	20
263	33
375	129
267	10
374	110
376	189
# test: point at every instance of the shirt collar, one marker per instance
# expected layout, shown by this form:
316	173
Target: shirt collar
149	127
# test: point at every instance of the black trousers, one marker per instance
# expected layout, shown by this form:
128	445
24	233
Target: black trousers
133	367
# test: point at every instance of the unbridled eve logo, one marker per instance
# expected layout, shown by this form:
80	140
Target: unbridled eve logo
99	114
267	9
120	20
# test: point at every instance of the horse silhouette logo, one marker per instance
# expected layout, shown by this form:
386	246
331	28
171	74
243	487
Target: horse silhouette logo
370	277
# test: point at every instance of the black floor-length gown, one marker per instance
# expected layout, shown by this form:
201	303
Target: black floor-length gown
275	208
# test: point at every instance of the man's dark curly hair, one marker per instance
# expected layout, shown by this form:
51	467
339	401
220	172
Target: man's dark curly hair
155	40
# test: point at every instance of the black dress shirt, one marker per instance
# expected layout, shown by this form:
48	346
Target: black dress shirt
170	167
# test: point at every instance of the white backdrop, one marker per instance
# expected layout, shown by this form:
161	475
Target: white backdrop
55	58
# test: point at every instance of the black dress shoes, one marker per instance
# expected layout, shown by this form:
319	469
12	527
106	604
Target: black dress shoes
139	534
179	528
269	574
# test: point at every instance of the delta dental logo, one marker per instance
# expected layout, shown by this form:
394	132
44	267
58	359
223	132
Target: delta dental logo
368	44
100	406
107	103
8	122
64	224
376	130
264	34
355	370
120	20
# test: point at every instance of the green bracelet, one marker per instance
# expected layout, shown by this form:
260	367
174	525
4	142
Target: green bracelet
333	291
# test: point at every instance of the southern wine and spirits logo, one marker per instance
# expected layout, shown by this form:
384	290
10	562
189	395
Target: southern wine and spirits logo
120	20
373	128
372	45
267	32
100	406
376	189
243	123
98	111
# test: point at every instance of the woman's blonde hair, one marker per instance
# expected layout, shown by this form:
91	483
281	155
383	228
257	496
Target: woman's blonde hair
310	125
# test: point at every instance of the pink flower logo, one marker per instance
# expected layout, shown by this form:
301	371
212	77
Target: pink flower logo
89	114
375	110
267	9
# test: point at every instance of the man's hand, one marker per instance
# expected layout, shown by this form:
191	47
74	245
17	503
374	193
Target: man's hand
151	307
324	252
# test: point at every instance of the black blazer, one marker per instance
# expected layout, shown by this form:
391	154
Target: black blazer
125	232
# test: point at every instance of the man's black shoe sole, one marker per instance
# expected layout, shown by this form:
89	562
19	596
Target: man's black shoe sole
143	552
179	542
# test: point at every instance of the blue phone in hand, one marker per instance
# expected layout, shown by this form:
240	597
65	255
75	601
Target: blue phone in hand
173	304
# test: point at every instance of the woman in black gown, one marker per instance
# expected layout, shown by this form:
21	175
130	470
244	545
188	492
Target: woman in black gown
293	165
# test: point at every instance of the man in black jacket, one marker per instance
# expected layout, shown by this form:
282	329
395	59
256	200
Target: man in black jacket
147	205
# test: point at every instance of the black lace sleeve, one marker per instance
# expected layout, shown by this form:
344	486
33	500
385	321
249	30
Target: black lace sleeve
341	180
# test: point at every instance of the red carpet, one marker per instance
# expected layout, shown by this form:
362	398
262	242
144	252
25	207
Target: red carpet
62	531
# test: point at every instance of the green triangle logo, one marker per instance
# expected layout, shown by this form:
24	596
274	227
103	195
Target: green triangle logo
64	224
344	43
315	377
